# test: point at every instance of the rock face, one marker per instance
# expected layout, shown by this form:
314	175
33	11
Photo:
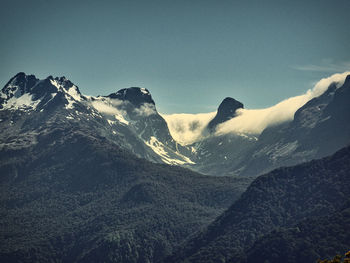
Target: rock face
226	111
136	96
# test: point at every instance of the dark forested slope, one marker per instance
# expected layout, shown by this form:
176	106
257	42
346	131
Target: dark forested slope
311	239
75	197
280	198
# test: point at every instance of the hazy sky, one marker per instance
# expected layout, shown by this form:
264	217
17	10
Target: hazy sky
189	54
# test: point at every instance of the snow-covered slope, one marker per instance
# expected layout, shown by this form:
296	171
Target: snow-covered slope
128	117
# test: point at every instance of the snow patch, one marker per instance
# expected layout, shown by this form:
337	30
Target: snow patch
121	119
69	106
111	122
55	83
23	102
159	149
144	91
109	107
73	91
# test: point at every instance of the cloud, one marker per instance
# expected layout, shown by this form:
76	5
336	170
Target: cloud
188	128
108	106
327	66
146	109
254	121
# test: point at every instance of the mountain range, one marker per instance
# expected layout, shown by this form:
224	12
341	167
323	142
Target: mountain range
129	119
102	179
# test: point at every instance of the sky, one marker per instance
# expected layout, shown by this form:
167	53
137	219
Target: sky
189	54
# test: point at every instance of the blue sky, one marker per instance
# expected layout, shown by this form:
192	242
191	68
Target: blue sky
189	54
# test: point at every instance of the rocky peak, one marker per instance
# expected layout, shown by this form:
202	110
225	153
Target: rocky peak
227	110
26	90
19	85
136	96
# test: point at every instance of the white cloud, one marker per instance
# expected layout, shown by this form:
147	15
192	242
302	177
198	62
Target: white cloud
254	121
327	66
107	106
188	128
146	109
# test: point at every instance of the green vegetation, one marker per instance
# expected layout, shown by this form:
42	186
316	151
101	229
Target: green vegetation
75	197
337	259
276	201
310	239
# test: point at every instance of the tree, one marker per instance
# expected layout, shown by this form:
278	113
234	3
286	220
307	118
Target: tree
337	259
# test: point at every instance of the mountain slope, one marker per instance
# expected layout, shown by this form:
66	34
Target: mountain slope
278	199
309	240
72	196
127	118
319	128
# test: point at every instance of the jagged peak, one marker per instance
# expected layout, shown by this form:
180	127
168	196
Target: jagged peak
19	85
29	89
135	95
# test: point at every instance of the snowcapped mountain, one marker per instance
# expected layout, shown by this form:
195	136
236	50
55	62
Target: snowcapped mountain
129	119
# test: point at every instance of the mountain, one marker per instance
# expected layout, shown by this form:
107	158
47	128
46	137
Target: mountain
280	199
129	119
226	111
86	179
140	109
72	191
319	128
308	241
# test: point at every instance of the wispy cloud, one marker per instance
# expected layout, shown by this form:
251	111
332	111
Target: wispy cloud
146	109
254	121
326	66
189	128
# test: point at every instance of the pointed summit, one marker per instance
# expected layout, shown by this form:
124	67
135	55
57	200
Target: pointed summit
18	85
226	111
136	96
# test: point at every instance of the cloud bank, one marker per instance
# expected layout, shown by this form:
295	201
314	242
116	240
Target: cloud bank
254	121
188	128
